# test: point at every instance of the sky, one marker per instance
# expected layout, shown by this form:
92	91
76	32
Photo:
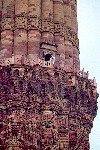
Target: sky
89	39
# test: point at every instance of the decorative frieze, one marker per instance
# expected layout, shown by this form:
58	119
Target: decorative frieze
20	22
72	37
47	25
34	23
59	29
7	23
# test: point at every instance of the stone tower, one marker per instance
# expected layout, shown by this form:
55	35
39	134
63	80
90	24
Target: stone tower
46	102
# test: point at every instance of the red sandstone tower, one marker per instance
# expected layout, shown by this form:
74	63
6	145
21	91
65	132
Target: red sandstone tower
46	102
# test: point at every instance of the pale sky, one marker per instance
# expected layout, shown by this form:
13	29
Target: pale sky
89	36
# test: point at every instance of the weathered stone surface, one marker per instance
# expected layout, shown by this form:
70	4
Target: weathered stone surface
46	102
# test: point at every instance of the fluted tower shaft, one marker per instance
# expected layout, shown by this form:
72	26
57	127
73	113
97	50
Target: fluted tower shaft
46	102
32	30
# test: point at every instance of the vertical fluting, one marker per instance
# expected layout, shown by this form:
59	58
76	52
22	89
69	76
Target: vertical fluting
0	10
59	30
34	27
59	25
74	16
67	13
0	20
58	11
71	38
68	43
47	21
7	31
75	35
20	33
